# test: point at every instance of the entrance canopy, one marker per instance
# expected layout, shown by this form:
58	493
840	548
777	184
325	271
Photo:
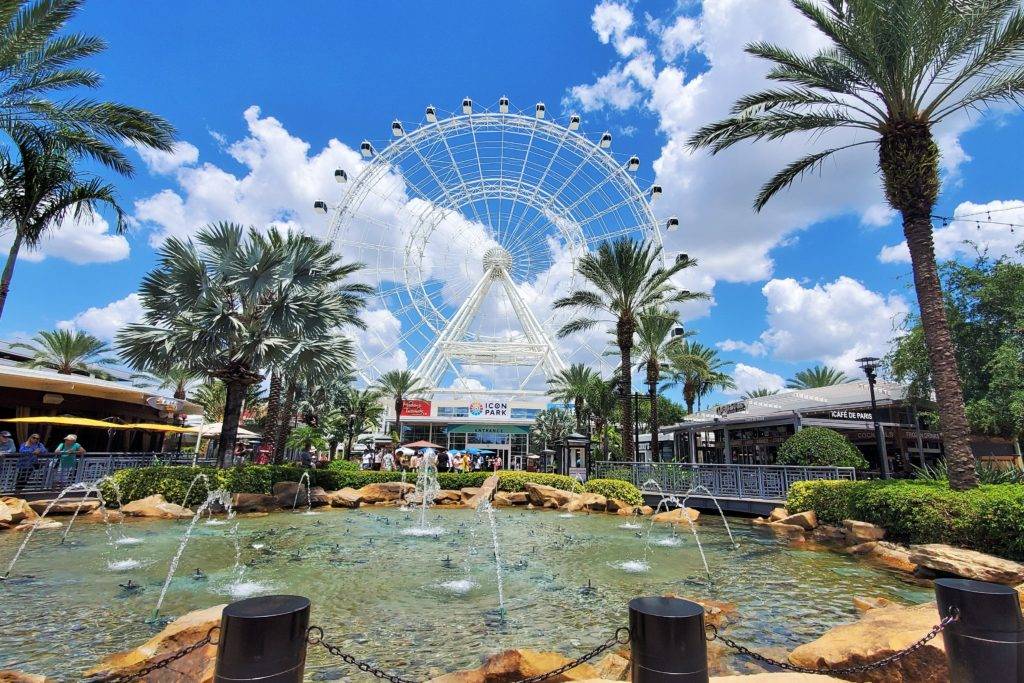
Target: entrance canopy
487	429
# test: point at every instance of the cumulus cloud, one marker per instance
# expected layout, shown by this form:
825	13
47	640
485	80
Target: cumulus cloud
750	348
679	38
105	321
160	162
88	239
976	228
749	378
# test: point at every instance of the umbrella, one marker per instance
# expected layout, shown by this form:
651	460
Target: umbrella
405	451
473	451
422	444
69	421
484	451
155	427
427	451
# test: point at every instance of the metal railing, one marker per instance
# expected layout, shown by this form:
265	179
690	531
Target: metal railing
745	482
46	474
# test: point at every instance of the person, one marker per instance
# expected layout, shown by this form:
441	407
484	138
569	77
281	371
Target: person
27	459
465	465
389	461
403	461
496	463
67	457
378	461
442	461
307	457
239	454
367	460
414	462
6	443
264	453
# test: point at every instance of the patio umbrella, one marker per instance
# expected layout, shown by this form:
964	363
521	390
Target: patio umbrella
473	451
423	444
155	427
405	451
68	421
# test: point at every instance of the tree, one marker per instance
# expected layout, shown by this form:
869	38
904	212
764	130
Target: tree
551	426
655	345
399	385
820	447
359	410
39	187
626	277
212	396
177	378
602	403
700	371
41	86
891	72
760	392
571	386
818	376
238	302
67	352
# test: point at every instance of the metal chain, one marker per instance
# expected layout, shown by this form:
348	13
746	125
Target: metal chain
167	661
315	636
954	615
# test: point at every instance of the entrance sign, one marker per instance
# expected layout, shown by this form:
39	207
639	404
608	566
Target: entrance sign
415	407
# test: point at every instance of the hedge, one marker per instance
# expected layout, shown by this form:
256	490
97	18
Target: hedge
820	447
172	482
989	518
615	488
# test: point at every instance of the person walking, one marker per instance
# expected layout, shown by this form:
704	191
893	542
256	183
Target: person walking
389	461
68	453
378	461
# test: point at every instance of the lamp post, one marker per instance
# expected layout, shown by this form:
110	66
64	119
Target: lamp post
351	432
636	427
869	365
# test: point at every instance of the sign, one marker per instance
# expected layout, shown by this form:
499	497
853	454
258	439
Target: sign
850	415
488	409
730	408
415	407
487	429
166	405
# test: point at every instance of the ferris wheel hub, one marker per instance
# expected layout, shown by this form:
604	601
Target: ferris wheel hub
498	258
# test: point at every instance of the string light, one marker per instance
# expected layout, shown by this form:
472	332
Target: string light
946	220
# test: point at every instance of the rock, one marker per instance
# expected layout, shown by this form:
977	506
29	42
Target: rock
485	492
887	554
615	505
780	677
760	521
864	604
510	498
18	508
448	497
186	630
317	497
677	516
613	667
253	502
594	502
513	665
879	633
862	532
548	496
107	515
778	514
716	612
969	564
826	533
646	510
40	524
808	520
347	497
290	494
385	492
11	676
790	529
155	506
64	506
6	518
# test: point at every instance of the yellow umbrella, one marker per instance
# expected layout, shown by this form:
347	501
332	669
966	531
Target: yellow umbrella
154	427
62	420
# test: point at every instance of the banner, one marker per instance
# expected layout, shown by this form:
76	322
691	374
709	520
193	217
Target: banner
488	409
415	407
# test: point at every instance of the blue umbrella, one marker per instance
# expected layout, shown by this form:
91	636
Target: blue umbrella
473	451
484	451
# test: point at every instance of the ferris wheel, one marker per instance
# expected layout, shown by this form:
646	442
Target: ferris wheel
469	225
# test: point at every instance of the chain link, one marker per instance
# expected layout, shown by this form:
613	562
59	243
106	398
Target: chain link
166	661
954	614
315	636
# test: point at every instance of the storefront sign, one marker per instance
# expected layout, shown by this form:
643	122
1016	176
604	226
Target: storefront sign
491	429
730	408
850	415
488	409
416	407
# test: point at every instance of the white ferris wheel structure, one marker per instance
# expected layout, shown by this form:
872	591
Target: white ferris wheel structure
469	224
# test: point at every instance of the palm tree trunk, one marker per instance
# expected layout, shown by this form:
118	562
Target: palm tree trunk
5	279
652	395
624	336
273	415
283	426
398	417
945	374
232	414
577	409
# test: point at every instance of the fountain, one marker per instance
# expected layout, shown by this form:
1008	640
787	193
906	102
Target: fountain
488	511
427	488
309	498
700	487
188	492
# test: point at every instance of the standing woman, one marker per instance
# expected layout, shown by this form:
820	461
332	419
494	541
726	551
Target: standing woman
68	453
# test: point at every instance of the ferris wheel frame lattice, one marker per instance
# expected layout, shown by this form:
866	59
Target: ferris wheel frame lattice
469	225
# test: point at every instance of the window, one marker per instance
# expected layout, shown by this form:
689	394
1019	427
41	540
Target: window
524	413
452	411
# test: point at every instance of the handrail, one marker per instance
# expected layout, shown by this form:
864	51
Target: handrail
46	473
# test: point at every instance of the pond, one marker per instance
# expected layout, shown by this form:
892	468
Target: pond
422	605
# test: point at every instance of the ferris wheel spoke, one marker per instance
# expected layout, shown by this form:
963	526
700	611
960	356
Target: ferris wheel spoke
544	175
458	173
522	174
480	170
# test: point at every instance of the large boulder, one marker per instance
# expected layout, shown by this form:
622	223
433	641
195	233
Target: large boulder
18	508
514	665
485	492
155	506
777	514
347	497
824	533
64	506
448	497
613	667
677	516
594	502
861	532
806	520
618	506
510	498
879	633
318	497
970	564
548	496
40	524
292	494
6	518
253	502
186	630
886	554
385	492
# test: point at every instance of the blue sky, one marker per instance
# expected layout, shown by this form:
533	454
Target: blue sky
816	278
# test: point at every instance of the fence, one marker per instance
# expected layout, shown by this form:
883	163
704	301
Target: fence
47	475
745	482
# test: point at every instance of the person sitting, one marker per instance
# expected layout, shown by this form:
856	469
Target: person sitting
7	444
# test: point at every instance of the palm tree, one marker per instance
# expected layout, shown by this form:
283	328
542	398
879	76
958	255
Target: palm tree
39	187
398	385
551	426
626	277
178	378
358	410
212	396
760	392
655	345
68	352
602	401
236	303
700	370
41	86
570	386
891	73
818	376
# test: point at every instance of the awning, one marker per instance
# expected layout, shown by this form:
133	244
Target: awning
487	429
214	428
154	427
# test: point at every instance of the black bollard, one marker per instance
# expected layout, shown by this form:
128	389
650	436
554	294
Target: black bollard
667	641
263	639
987	642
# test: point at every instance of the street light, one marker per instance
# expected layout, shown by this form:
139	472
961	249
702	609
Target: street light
869	365
351	433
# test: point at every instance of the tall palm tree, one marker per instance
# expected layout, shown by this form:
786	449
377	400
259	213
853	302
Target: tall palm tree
68	352
359	409
571	386
655	344
602	402
892	71
234	304
760	392
212	397
41	85
818	376
700	371
178	378
399	385
626	277
39	187
551	426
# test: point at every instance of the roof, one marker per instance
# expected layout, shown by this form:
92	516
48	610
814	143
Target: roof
15	377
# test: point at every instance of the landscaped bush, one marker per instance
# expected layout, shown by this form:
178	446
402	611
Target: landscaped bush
343	465
615	488
818	446
989	518
624	474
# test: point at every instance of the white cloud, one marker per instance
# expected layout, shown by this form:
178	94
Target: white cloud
614	89
975	228
157	161
750	348
679	38
85	240
749	378
105	321
611	21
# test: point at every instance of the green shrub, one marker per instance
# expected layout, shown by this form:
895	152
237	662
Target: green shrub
615	488
989	518
623	475
341	465
516	480
818	446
